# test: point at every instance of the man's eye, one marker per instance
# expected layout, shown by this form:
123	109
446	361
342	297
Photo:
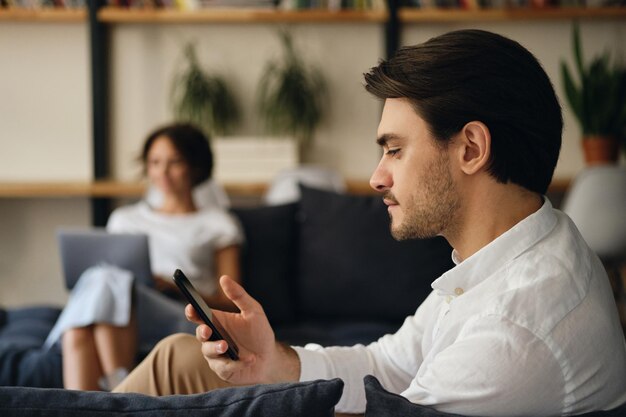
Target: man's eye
392	152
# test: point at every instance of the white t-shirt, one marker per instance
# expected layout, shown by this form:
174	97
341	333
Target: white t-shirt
181	241
527	326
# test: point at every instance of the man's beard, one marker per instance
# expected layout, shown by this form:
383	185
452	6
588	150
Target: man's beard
434	211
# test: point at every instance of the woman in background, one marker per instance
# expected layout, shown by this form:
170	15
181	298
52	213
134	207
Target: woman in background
100	342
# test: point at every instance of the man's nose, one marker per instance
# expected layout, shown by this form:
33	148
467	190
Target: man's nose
380	179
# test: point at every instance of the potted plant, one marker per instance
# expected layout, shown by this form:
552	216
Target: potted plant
597	100
290	96
203	99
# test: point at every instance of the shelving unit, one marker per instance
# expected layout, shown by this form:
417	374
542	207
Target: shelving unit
117	15
100	18
43	15
117	189
410	15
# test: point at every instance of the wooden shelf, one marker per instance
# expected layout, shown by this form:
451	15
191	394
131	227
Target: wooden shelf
104	189
43	15
412	15
116	189
70	189
242	15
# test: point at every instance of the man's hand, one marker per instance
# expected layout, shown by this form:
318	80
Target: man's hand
261	358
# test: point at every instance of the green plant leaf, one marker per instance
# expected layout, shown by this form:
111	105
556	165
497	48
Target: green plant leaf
290	94
201	98
599	101
573	94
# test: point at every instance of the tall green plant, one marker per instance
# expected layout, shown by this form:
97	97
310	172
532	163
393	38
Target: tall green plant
290	94
203	99
598	97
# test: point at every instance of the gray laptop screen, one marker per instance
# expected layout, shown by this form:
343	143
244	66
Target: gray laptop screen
82	249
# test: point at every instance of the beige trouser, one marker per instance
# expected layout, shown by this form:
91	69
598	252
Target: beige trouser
175	366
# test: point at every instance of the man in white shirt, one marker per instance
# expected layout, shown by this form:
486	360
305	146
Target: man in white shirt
525	324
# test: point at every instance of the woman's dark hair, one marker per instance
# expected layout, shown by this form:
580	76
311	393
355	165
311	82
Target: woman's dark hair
192	145
474	75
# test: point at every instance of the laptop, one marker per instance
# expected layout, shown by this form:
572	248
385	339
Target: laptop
83	248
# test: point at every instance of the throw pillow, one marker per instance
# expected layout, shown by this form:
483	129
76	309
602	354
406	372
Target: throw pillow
316	398
381	403
268	258
351	267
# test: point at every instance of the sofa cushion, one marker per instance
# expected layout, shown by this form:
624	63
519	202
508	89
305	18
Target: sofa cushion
31	367
269	258
315	398
22	360
337	332
381	403
351	267
28	326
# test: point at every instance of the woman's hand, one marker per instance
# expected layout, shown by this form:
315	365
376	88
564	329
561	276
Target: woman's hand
261	358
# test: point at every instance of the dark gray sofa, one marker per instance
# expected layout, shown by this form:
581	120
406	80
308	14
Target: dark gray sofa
325	269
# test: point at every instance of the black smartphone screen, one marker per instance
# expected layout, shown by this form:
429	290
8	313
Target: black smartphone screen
205	314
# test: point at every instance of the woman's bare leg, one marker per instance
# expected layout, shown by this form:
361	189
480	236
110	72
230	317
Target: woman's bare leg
117	346
81	365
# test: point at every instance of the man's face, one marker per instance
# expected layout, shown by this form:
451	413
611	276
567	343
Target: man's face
414	175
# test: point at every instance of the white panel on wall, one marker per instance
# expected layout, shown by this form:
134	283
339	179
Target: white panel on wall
145	58
45	107
550	42
30	269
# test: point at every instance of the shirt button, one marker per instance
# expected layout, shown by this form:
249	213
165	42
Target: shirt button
458	291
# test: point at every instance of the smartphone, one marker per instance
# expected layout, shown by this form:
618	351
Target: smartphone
205	314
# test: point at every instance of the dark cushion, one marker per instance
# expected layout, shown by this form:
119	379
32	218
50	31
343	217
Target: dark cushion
269	258
381	403
31	367
22	360
316	398
28	326
351	267
337	332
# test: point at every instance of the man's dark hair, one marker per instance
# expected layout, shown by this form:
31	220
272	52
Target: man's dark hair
192	145
474	75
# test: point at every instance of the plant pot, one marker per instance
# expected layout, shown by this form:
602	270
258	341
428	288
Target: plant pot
600	150
253	159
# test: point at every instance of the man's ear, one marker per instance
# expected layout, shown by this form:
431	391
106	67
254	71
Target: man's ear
473	147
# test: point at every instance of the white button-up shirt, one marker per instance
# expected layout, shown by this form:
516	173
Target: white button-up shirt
527	326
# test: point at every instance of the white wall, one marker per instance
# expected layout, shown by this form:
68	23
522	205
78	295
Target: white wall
45	119
45	105
45	110
30	270
146	58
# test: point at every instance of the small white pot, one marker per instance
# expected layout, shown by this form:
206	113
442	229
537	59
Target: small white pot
252	159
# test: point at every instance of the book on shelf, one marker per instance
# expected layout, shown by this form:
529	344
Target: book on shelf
332	5
43	4
501	4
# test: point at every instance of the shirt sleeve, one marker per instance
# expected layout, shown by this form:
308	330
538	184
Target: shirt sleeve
393	359
494	368
228	230
117	222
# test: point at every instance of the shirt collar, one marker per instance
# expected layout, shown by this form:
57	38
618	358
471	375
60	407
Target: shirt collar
470	272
